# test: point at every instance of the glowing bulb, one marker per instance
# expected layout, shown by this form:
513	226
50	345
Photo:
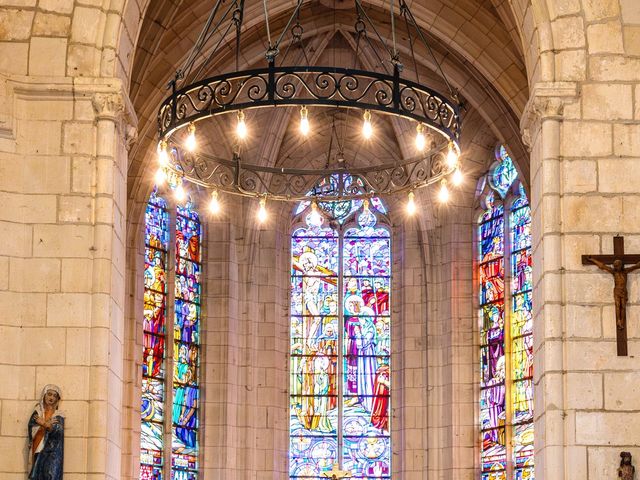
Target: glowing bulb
190	142
163	155
315	218
457	177
180	193
443	194
214	204
161	176
262	211
411	204
305	127
241	126
421	140
452	156
367	128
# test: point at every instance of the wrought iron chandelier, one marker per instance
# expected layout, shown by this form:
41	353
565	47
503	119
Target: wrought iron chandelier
197	96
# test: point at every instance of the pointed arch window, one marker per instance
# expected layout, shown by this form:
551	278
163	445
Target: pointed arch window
506	325
170	402
340	337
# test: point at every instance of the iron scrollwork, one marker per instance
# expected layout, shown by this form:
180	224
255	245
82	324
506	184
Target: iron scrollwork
302	85
235	176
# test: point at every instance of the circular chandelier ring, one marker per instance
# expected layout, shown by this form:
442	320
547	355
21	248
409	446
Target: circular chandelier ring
310	86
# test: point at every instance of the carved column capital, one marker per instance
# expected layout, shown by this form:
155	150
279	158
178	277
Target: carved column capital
108	106
547	102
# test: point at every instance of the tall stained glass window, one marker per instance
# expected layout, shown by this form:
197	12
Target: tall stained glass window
186	346
154	338
340	339
506	326
170	402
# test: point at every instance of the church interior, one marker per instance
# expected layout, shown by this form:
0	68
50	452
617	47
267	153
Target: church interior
307	239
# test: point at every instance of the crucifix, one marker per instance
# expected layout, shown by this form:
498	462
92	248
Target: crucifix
614	264
336	473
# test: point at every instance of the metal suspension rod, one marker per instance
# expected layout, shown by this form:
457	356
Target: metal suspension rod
293	15
393	29
405	9
200	41
362	11
238	21
266	21
413	53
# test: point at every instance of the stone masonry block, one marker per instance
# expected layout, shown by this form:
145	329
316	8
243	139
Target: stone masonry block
610	101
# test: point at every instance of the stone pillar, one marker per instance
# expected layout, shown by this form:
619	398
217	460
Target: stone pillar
541	130
62	177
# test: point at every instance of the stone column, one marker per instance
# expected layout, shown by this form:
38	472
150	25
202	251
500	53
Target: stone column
107	292
542	132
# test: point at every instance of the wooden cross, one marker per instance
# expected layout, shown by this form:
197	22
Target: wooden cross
336	473
620	294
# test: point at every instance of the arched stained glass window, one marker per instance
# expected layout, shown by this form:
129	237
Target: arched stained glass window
340	340
181	390
506	326
154	337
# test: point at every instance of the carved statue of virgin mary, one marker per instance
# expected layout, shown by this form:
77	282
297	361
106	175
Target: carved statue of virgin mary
46	436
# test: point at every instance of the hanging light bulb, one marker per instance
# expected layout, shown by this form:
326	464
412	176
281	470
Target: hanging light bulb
262	211
367	128
163	155
161	176
452	156
241	126
315	217
214	203
305	128
180	193
190	142
421	140
411	204
457	177
443	194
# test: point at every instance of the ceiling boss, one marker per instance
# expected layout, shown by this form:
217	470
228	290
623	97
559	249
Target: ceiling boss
361	91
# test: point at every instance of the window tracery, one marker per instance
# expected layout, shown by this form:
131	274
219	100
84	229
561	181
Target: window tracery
340	339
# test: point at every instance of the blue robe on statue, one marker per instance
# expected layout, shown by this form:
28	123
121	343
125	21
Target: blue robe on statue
48	452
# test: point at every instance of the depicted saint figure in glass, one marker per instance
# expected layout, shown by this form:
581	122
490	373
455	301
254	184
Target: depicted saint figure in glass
506	381
342	257
46	436
183	378
186	346
154	337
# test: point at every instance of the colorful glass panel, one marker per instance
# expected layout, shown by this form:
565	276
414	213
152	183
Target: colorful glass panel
330	186
153	367
505	172
321	274
522	338
186	346
492	350
506	383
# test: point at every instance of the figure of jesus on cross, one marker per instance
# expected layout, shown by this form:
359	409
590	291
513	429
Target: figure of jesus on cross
620	294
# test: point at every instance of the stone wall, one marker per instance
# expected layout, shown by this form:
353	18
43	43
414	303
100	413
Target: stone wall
64	124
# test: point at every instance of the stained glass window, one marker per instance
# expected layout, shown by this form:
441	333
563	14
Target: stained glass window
154	338
186	346
180	389
340	382
506	380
